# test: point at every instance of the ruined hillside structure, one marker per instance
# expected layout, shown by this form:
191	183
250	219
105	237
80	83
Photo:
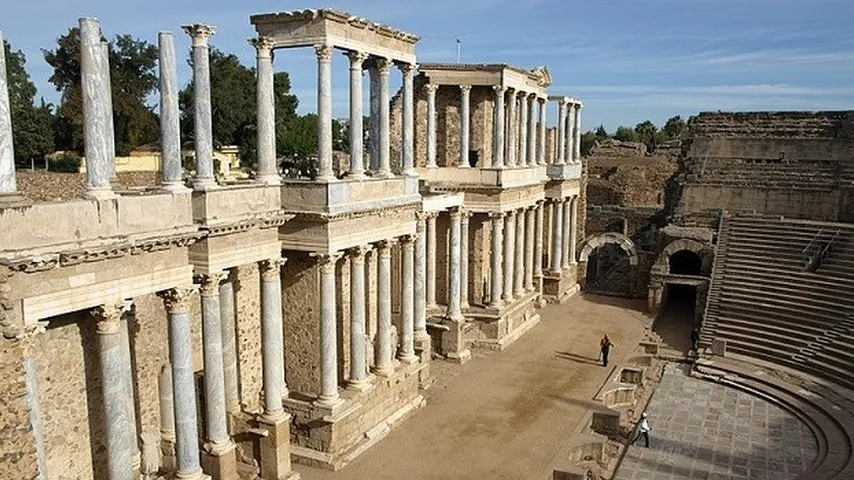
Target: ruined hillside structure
211	329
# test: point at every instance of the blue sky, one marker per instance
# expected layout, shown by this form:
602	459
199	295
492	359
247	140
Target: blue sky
628	60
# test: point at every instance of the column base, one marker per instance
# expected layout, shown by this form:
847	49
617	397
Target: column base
197	475
329	403
410	172
357	175
100	194
408	359
383	371
362	385
174	187
269	179
13	200
329	178
204	184
275	449
220	462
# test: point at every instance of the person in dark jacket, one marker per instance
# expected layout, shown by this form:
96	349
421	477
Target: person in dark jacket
605	349
695	338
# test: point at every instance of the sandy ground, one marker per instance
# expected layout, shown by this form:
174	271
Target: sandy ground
504	414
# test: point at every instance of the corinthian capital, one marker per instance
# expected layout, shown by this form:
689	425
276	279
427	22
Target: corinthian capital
270	269
108	317
431	88
177	300
324	52
263	46
200	33
210	283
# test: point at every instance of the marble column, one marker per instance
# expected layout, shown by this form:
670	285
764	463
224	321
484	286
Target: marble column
523	129
374	118
229	345
557	236
328	333
431	124
519	263
407	318
498	128
431	261
565	235
110	129
509	255
561	133
570	133
170	116
325	173
357	161
118	400
538	241
577	130
266	122
177	302
541	149
532	129
464	260
454	304
272	340
512	124
465	123
383	364
420	294
94	79
358	332
529	213
497	260
216	429
408	147
8	182
573	229
167	415
203	126
384	170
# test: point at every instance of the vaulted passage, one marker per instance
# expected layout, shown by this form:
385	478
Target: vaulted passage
609	271
685	262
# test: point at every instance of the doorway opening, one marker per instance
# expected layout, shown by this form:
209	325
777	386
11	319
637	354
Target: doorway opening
609	271
678	316
685	262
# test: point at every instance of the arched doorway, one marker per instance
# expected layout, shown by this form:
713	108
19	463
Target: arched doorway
609	262
685	262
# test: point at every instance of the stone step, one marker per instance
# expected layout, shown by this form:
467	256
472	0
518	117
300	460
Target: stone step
811	296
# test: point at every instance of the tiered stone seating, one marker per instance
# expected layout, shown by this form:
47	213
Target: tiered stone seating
736	171
768	124
766	305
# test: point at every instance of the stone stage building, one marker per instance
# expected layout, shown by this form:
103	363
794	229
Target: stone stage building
205	328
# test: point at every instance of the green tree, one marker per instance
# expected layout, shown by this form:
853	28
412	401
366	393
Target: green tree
675	128
588	141
132	79
645	133
625	134
32	136
601	133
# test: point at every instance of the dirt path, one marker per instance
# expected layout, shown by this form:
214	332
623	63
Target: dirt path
504	414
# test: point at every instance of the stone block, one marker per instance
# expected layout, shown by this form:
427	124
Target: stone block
221	465
719	347
275	449
605	421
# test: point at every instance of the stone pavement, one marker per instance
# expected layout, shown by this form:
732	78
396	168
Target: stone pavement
505	414
706	430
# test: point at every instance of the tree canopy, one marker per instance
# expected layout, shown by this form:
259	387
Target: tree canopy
31	125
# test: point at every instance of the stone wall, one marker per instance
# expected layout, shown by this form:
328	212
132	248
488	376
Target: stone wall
247	306
623	173
149	342
17	443
301	304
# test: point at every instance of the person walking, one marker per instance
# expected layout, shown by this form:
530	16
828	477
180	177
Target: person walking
605	349
643	430
695	339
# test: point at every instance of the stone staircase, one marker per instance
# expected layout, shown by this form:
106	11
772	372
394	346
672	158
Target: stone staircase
766	305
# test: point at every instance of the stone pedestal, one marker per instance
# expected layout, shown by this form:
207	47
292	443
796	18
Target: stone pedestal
275	449
220	464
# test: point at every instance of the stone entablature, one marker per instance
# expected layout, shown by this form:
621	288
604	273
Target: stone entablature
500	75
339	29
348	196
484	177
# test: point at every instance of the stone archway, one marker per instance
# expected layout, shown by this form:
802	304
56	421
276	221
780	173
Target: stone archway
618	278
662	263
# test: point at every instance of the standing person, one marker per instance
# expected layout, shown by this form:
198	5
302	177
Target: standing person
605	348
695	338
643	430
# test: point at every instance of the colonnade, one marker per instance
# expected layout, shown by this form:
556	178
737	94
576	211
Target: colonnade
516	246
458	261
568	142
563	213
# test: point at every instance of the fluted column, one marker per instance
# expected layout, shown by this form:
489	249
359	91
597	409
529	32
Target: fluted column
272	339
498	128
538	241
420	294
216	429
509	255
8	182
203	123
465	122
407	319
464	260
431	124
94	79
532	129
529	213
512	124
118	400
523	129
408	147
229	345
324	112
357	161
497	260
565	250
383	356
561	133
358	334
573	229
177	302
266	123
541	149
577	129
519	263
557	236
170	116
328	333
384	166
431	261
454	309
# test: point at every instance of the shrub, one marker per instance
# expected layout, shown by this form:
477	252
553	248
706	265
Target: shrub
66	162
